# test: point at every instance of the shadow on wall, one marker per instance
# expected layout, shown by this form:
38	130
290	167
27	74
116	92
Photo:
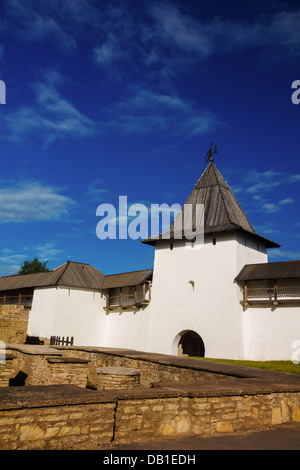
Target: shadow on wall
18	380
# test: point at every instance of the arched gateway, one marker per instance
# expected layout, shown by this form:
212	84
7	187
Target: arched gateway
189	343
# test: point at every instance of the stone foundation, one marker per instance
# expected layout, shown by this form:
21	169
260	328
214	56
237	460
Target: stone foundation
140	397
67	417
13	323
42	365
118	378
5	369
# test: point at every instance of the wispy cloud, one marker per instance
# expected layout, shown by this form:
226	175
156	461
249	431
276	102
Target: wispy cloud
258	183
34	22
269	207
10	262
279	30
264	191
50	118
46	252
95	190
146	110
32	201
284	254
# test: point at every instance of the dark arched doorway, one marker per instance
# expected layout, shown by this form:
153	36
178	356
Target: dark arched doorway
191	344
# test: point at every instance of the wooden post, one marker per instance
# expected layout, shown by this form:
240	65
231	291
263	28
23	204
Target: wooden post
245	293
4	299
275	289
144	292
107	299
20	296
275	292
121	297
134	294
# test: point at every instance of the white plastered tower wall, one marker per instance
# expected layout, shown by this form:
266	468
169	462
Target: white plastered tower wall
41	315
63	311
271	333
129	329
194	290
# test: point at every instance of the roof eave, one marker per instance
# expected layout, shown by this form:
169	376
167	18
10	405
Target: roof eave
213	230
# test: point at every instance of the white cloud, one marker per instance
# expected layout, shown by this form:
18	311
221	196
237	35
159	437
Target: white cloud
267	207
95	190
10	262
32	202
146	110
46	252
51	117
36	22
285	254
187	33
225	35
107	52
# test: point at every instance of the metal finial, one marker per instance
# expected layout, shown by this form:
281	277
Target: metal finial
209	156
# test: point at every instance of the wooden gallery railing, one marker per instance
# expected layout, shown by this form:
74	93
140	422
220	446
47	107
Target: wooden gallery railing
275	294
126	297
20	299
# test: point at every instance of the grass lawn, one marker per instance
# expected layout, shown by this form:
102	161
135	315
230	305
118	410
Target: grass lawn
283	366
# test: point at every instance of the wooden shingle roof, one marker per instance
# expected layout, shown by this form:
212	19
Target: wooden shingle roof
70	274
265	271
222	212
133	278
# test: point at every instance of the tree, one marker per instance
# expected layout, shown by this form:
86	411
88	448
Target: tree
34	266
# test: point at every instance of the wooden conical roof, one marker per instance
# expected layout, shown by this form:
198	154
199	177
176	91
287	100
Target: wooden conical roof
222	212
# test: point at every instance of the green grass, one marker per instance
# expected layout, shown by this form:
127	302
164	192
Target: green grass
283	366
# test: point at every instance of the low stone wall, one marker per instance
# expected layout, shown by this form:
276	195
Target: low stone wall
67	371
5	369
48	419
176	397
42	365
63	417
117	378
152	368
141	419
13	323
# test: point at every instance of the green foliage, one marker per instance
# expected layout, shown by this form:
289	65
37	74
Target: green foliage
34	266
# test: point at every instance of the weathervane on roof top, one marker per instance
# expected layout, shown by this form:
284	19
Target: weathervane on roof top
209	156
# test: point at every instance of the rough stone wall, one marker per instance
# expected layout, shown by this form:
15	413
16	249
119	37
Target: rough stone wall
118	378
13	323
39	369
203	416
151	372
5	371
62	427
67	373
138	418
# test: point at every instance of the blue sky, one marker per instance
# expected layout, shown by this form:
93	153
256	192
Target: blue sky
110	98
